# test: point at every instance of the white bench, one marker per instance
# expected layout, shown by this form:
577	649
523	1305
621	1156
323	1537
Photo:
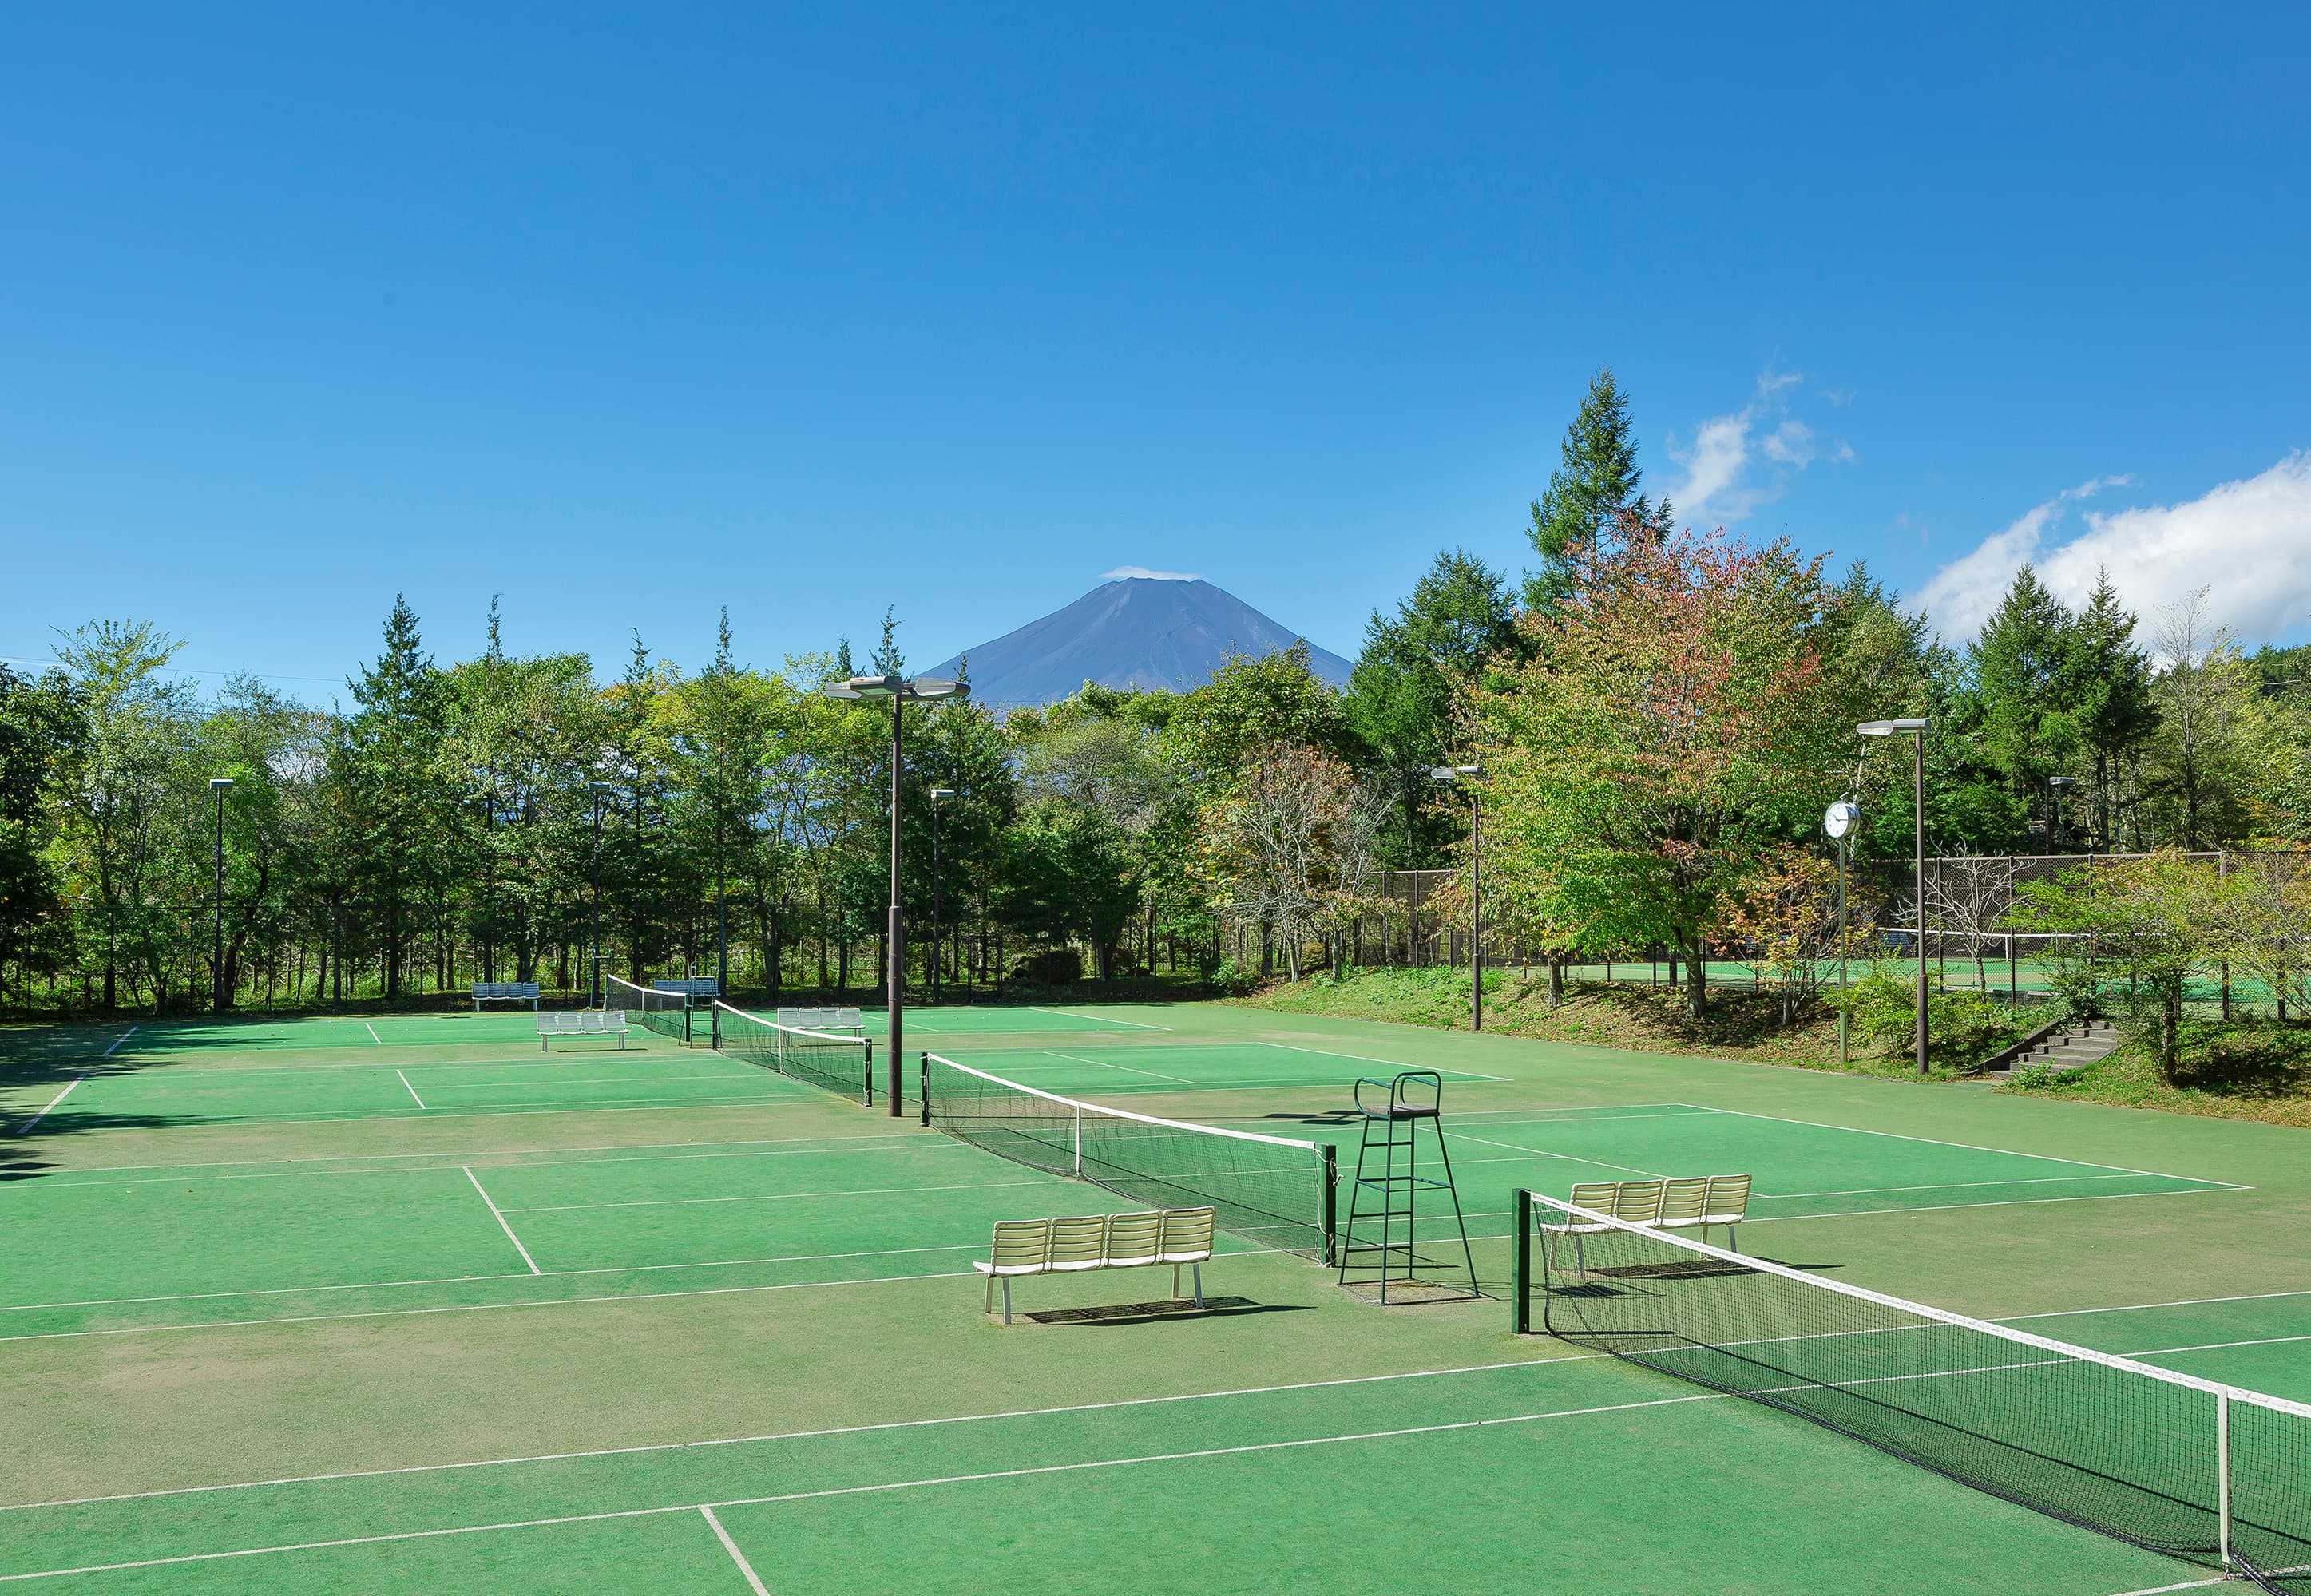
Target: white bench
822	1019
1176	1237
580	1022
1686	1202
504	991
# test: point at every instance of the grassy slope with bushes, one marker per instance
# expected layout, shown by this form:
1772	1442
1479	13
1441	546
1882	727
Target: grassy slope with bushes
2253	1069
1741	1024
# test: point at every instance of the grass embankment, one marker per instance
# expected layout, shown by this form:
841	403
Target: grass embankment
1741	1022
2248	1068
2254	1069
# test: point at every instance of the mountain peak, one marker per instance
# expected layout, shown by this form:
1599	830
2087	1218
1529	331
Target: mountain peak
1140	629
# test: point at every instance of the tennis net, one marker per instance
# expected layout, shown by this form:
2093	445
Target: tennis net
666	1013
844	1065
1269	1190
2212	1473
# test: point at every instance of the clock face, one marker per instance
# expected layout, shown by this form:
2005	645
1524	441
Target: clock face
1842	818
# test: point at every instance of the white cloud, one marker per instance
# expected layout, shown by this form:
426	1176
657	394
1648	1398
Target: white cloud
1124	572
2248	542
1718	485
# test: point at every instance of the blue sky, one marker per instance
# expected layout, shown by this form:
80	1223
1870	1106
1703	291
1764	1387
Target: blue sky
628	314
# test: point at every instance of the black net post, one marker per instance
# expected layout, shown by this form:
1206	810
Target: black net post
1329	1157
1521	1263
925	1081
870	1082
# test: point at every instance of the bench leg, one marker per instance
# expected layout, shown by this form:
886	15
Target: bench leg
545	1042
1197	1269
1175	1282
1580	1257
1007	1299
1732	1240
990	1306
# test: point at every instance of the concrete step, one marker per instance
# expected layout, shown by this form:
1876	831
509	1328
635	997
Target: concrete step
2073	1047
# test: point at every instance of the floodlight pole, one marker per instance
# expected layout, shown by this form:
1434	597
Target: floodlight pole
1839	822
939	796
900	693
220	786
595	790
1915	729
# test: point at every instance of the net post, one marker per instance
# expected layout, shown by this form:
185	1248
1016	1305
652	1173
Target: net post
1328	1157
1521	1263
1078	1142
925	1079
714	1022
2223	1476
898	1083
869	1053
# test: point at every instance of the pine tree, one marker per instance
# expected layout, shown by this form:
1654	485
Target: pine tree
1591	494
2110	678
401	807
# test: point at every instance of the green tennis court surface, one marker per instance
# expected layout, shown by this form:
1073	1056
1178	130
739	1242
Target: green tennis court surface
404	1302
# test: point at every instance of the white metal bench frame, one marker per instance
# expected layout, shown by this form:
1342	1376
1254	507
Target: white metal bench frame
1683	1202
1144	1239
580	1022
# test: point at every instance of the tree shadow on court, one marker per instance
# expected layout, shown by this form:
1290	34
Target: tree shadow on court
26	1156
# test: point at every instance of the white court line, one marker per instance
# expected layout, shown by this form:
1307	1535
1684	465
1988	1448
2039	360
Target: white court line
2188	1302
778	1145
1955	1186
1464	1075
676	1202
373	1036
1247	1449
1567	1157
413	1091
1971	1147
1104	1064
880	1487
819	1435
52	1102
1098	1019
754	1581
115	1048
2218	1346
2188	1585
501	1218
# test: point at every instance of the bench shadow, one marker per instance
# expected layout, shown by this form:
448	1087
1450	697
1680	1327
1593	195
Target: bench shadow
1109	1313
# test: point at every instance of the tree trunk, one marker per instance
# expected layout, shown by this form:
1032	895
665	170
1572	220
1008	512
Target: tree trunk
1555	979
1697	969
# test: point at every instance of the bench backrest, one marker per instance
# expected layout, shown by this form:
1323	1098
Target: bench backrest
1727	1199
1022	1243
581	1020
505	989
1685	1201
689	986
1596	1196
1188	1234
1134	1238
1078	1242
1638	1201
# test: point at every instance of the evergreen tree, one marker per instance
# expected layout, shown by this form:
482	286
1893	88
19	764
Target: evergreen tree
1592	494
400	808
1406	685
2111	676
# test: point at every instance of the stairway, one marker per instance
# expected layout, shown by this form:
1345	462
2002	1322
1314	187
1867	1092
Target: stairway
2064	1048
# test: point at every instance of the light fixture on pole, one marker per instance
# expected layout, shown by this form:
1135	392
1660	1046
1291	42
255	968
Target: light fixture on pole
940	797
220	786
594	790
1916	729
1839	822
1467	776
902	693
2055	785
